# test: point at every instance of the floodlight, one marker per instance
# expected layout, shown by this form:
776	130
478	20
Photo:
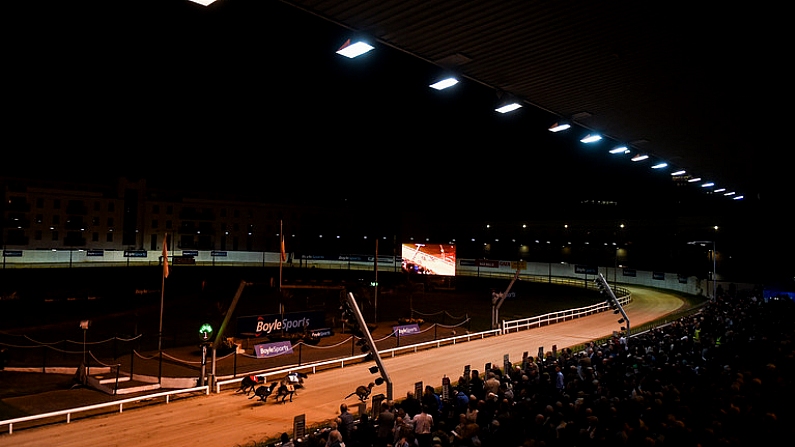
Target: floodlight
619	150
444	83
591	138
508	107
352	50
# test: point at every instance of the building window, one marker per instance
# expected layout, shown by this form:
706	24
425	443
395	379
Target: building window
95	221
96	206
56	204
154	224
110	221
54	235
94	237
169	209
37	235
111	206
39	203
56	219
155	209
109	237
39	218
168	224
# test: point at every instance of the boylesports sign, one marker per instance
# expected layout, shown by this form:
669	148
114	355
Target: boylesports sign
295	322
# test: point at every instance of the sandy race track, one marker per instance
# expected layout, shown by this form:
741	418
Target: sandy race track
228	419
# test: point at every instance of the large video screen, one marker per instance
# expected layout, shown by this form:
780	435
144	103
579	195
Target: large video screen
429	259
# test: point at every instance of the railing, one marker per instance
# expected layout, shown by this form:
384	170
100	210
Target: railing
120	403
556	317
329	364
507	327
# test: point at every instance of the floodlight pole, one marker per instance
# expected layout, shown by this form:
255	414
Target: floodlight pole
368	337
714	265
219	335
498	299
601	282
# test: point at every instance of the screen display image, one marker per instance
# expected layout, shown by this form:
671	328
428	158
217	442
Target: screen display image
429	259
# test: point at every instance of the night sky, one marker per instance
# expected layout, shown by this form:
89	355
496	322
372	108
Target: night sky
255	99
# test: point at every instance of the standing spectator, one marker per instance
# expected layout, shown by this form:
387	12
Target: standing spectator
476	385
423	425
363	434
560	386
346	423
411	404
386	425
491	385
404	427
461	401
434	403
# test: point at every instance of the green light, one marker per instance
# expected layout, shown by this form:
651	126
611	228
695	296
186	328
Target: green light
206	330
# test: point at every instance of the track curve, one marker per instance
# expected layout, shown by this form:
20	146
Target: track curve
229	420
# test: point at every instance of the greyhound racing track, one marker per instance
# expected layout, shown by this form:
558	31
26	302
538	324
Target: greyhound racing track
230	419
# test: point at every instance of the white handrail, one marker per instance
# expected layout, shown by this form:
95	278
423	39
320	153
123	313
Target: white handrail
120	403
507	326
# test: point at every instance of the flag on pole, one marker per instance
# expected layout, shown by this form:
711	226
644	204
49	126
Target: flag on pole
165	256
284	253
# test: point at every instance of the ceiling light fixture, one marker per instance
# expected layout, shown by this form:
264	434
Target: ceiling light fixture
660	165
591	138
694	179
640	157
730	193
619	150
707	185
737	198
557	127
679	172
720	190
508	107
444	83
351	50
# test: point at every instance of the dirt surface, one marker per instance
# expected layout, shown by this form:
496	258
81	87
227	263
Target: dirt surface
228	419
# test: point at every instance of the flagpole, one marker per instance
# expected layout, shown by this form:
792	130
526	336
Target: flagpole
375	291
162	296
281	261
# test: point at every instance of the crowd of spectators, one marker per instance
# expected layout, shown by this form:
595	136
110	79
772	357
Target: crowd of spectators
721	377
